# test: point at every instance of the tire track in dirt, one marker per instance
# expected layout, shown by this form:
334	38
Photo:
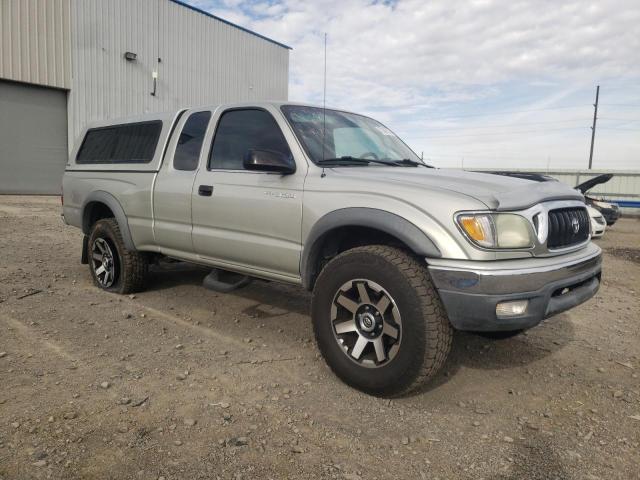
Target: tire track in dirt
32	336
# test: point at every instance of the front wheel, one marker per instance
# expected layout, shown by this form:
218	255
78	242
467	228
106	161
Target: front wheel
113	267
378	320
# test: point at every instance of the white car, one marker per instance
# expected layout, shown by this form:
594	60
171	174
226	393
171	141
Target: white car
598	223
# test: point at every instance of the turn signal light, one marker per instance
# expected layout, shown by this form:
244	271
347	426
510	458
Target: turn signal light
479	228
473	228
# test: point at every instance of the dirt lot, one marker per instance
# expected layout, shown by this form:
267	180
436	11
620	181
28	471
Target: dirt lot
182	383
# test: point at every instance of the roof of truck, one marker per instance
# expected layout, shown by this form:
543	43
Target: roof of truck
170	115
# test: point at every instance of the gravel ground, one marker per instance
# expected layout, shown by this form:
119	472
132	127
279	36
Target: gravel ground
180	382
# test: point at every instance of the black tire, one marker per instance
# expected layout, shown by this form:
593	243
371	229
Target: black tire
129	267
499	335
425	333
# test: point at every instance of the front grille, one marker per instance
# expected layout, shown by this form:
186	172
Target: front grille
562	227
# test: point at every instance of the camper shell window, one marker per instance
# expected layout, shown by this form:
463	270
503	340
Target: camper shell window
126	143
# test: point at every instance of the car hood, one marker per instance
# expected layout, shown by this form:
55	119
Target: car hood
497	192
584	187
593	212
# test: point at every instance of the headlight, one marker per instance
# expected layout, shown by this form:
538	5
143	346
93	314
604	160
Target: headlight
602	204
497	230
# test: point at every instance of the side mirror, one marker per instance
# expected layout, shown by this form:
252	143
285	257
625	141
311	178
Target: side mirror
269	161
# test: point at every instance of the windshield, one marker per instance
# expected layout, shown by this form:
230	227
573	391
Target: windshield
347	137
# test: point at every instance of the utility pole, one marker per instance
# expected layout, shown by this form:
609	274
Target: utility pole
593	128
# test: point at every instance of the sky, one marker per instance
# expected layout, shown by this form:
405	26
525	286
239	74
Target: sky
469	83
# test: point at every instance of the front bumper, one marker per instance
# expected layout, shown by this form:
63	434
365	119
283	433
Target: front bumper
470	290
611	215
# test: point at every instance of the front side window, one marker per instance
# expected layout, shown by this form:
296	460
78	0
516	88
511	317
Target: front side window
127	143
240	131
190	141
331	134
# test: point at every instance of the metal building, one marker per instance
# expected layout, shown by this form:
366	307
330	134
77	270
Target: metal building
64	63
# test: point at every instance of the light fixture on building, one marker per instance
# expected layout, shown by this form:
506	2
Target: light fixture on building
154	75
130	56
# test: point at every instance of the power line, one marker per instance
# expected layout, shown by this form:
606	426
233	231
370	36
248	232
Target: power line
631	105
472	156
499	133
519	125
620	119
513	125
507	112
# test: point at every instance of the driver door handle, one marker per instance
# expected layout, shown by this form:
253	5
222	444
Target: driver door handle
205	190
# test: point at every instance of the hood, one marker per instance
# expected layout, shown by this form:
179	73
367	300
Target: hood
497	192
602	203
584	187
593	212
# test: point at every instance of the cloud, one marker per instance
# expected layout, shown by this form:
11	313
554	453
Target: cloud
422	66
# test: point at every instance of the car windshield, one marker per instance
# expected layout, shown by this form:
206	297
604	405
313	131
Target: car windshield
349	139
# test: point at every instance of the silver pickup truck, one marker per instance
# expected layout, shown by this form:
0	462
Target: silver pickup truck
398	254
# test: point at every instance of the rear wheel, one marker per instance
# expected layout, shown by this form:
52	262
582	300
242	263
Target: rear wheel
113	267
378	320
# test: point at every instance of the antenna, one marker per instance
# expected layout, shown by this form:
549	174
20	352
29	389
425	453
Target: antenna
324	102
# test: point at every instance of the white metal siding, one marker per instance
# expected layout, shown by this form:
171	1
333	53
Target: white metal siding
203	60
34	42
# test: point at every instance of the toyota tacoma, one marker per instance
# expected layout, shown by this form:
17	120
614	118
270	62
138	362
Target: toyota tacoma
398	254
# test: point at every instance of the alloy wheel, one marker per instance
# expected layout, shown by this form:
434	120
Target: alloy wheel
366	323
104	262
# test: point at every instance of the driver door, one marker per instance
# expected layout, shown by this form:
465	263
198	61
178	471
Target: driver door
247	220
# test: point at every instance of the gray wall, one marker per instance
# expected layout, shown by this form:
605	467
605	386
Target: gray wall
203	60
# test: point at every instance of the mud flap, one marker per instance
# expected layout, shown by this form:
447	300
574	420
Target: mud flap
84	258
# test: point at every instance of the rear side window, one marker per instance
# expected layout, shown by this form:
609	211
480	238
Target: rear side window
240	131
128	143
190	141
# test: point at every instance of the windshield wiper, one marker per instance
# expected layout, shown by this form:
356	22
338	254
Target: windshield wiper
410	163
348	160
